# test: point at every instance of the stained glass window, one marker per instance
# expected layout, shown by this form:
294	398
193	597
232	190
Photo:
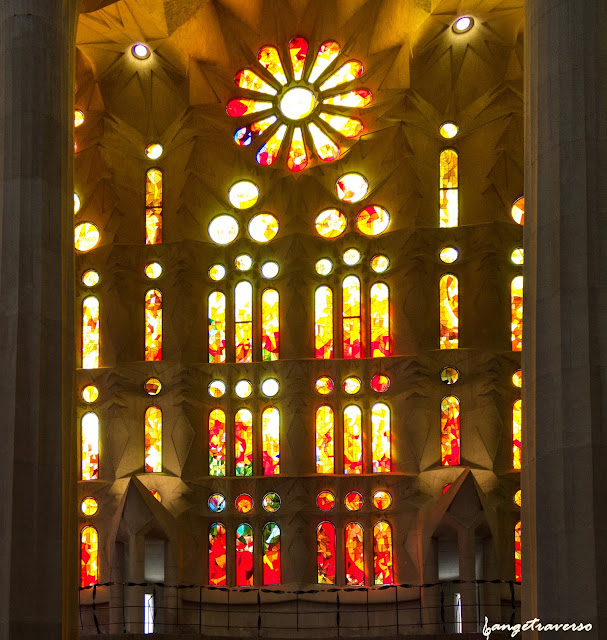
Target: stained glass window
270	325
351	187
380	438
217	327
325	500
90	446
516	323
271	554
90	333
243	429
153	325
243	388
325	440
243	312
244	555
244	503
217	442
448	189
89	506
380	383
325	552
352	325
324	385
382	553
223	229
373	220
517	552
352	385
518	210
323	322
89	556
153	206
86	236
382	500
353	501
330	223
450	434
217	554
244	193
270	387
516	434
217	502
270	438
263	227
216	388
153	440
355	557
380	321
271	502
353	443
90	393
449	312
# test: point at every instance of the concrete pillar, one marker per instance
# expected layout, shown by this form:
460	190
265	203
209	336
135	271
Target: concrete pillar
466	546
37	446
564	479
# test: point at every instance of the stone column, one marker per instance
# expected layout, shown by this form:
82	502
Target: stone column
564	479
37	444
466	546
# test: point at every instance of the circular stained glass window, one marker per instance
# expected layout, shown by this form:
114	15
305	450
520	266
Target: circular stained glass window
518	256
517	378
351	256
380	383
270	387
244	503
86	236
243	388
380	263
89	506
263	227
517	499
449	375
140	51
448	130
351	187
223	229
297	103
156	494
373	220
330	223
90	393
463	24
353	501
153	270
449	255
352	385
243	262
382	500
269	270
325	500
216	388
78	118
153	386
271	502
217	502
243	194
217	272
518	210
90	278
76	203
154	151
324	266
324	385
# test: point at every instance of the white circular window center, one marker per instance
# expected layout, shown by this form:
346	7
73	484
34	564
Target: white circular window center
297	103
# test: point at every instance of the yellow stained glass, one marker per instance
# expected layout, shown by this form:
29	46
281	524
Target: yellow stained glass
90	446
330	223
297	160
324	266
270	325
217	327
450	432
153	440
326	149
381	438
263	227
517	379
243	194
518	256
346	73
216	388
351	187
517	552
154	150
78	118
268	153
298	51
76	203
89	506
217	443
381	341
325	440
449	375
327	52
382	500
90	333
448	255
355	99
517	499
217	272
90	278
297	103
518	211
323	323
243	262
243	315
516	434
448	130
247	79
351	256
380	263
449	312
516	306
223	229
244	135
90	393
153	206
348	127
89	557
325	552
353	443
156	494
351	313
269	58
353	501
243	388
324	385
270	440
153	325
373	220
352	385
243	430
448	189
152	386
86	236
383	563
153	270
355	558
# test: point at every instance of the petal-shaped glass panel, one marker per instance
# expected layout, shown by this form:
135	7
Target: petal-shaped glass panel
244	136
298	155
270	150
269	59
298	50
247	79
327	52
356	99
326	149
350	71
244	106
348	127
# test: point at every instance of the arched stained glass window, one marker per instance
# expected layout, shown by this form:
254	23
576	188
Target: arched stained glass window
516	434
381	342
270	325
449	312
450	434
217	327
217	443
243	312
323	323
153	325
270	438
355	557
325	552
380	438
383	562
90	333
153	440
325	440
271	554
153	206
217	554
244	556
352	325
448	189
517	552
89	556
516	323
243	431
353	443
90	446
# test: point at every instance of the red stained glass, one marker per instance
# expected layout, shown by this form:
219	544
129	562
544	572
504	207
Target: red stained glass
325	500
380	383
325	440
382	500
516	298
244	503
381	340
323	322
243	433
269	151
382	553
217	327
517	552
244	136
244	556
516	434
381	438
353	444
325	552
153	325
450	438
449	312
355	558
270	438
298	50
353	501
269	58
244	106
270	325
90	333
217	443
446	488
271	554
217	554
297	159
153	206
153	440
243	312
352	347
89	557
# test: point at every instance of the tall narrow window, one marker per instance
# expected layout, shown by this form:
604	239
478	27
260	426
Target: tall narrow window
380	438
355	557
325	552
90	333
516	323
153	325
270	438
217	327
217	443
448	190
243	431
217	554
381	343
271	554
325	440
323	322
244	556
90	446
382	553
352	329
270	325
89	557
243	312
450	435
449	312
153	206
516	434
353	443
517	552
153	440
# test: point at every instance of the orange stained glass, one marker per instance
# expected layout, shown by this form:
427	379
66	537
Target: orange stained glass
271	554
326	149
325	440
448	189
353	443
90	446
356	99
263	227
323	322
243	313
89	556
298	50
324	385
449	312
518	210
247	79
450	433
217	327
244	135
325	553
352	325
153	440
381	342
516	310
217	554
373	220
89	506
244	556
270	325
355	557
346	73
244	503
516	434
270	440
243	433
381	438
518	498
269	58
153	206
383	564
153	325
325	500
90	333
327	52
86	236
245	106
352	385
330	223
217	442
517	378
156	495
348	127
380	382
382	500
269	151
517	552
297	159
353	501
